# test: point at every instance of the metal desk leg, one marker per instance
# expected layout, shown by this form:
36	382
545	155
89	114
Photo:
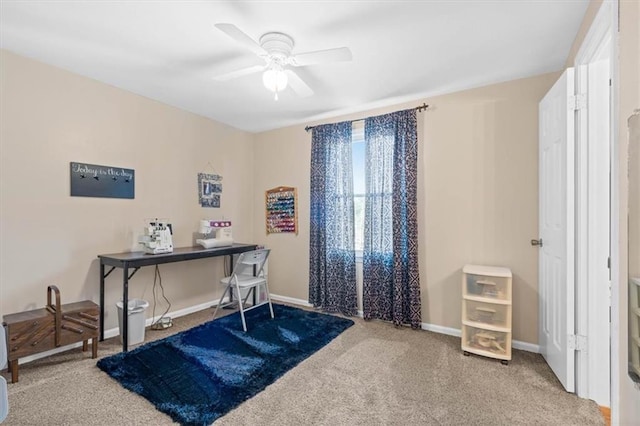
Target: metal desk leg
101	301
125	309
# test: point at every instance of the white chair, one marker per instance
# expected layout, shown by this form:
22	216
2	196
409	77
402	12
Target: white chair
254	261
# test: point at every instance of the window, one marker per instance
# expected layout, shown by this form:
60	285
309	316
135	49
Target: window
358	155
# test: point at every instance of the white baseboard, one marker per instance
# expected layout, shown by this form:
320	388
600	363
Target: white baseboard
516	344
442	330
113	332
291	300
524	346
174	314
530	347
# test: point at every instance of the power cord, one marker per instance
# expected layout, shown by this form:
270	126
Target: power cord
164	321
226	269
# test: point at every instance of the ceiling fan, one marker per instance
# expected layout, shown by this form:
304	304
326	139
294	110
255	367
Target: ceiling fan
276	50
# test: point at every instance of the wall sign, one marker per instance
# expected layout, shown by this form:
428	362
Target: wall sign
209	189
281	210
92	180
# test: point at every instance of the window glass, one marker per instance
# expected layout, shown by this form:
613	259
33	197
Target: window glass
358	156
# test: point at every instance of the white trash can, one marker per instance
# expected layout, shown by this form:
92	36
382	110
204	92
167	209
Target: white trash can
136	308
4	393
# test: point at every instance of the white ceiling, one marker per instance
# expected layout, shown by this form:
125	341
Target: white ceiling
402	50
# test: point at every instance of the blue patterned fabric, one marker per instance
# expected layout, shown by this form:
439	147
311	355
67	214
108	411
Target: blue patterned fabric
201	374
332	259
391	282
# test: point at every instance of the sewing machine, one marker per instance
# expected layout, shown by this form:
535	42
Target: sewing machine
157	237
217	233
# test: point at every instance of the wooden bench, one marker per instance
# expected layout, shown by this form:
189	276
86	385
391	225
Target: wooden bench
55	325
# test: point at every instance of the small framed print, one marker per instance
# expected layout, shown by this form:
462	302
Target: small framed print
209	189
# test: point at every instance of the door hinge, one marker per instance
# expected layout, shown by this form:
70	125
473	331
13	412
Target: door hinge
577	342
609	262
577	102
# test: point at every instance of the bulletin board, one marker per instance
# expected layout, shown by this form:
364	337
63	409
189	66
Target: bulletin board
93	180
281	210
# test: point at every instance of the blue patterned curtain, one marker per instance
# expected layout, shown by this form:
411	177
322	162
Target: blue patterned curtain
332	260
391	282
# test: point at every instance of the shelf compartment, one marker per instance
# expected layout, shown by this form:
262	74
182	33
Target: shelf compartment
495	315
493	288
495	344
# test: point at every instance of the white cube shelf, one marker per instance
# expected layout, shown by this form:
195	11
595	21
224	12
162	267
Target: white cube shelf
486	311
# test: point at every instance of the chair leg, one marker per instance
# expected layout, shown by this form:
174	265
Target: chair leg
220	301
266	287
244	323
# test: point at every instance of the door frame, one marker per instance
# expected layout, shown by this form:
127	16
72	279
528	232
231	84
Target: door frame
595	240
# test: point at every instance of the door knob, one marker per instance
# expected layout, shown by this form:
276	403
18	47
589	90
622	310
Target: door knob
536	242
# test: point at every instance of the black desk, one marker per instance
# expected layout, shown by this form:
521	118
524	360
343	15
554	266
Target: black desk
138	259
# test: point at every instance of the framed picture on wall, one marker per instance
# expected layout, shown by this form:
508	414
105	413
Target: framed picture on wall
209	189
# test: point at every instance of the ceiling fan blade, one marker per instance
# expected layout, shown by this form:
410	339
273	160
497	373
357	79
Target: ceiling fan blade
242	38
239	73
298	85
339	54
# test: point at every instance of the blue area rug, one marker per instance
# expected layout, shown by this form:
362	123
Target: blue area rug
199	375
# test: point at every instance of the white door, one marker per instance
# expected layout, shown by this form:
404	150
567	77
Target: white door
556	216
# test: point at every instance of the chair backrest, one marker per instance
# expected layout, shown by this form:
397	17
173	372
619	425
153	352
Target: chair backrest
252	258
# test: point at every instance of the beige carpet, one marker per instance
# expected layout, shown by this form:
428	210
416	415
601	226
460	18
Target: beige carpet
372	374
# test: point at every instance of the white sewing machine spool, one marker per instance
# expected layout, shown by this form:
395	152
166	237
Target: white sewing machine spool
221	230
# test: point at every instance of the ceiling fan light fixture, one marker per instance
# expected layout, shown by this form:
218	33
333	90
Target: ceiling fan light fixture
275	79
276	50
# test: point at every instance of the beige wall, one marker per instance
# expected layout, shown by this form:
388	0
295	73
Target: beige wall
629	99
478	192
283	159
49	118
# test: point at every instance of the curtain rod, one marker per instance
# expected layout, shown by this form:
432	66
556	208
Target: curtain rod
418	108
